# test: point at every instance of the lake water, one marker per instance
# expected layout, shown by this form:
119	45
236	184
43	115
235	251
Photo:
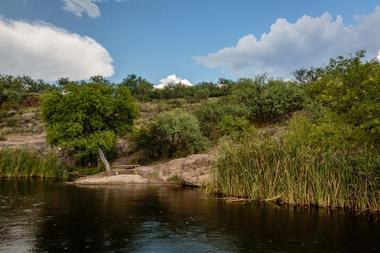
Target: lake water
40	216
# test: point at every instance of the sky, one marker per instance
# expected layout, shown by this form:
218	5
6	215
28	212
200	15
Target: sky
185	41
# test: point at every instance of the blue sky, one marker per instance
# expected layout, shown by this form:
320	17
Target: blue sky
156	38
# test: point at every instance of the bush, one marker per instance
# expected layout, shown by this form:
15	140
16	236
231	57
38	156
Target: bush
349	88
234	126
221	118
268	100
11	91
326	131
169	134
140	88
259	100
14	90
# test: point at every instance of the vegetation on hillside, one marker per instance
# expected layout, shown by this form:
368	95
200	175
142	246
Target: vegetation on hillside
329	156
313	140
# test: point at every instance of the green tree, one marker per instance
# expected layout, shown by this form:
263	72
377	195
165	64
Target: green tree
140	88
222	117
11	91
31	85
349	87
171	133
87	117
268	100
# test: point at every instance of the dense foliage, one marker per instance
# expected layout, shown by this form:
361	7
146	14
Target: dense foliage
348	89
267	100
140	88
143	90
170	134
221	118
259	101
85	116
13	89
328	155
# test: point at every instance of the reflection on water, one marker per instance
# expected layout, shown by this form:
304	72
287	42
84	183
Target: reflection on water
56	217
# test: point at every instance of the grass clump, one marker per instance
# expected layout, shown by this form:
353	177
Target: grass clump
29	163
176	180
292	169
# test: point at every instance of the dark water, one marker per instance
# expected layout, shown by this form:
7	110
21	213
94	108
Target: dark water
55	217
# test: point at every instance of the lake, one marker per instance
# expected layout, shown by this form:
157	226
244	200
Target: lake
37	216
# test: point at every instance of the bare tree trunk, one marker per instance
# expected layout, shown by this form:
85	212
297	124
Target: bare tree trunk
105	162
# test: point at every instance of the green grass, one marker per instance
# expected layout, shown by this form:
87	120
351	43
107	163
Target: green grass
272	170
16	163
76	172
176	180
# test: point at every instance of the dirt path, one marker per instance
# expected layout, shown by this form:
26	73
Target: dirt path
37	141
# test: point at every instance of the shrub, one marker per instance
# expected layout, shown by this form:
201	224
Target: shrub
14	90
169	134
11	91
326	131
140	88
268	100
234	126
349	88
221	118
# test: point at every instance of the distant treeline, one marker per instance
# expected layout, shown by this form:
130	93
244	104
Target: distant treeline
15	89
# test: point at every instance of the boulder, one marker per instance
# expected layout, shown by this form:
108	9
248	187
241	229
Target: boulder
112	180
192	170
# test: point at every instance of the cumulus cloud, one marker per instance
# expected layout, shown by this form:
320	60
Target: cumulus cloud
172	79
310	41
48	52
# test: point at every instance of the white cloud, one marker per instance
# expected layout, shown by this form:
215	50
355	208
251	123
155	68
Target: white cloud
90	7
78	7
310	41
48	52
172	79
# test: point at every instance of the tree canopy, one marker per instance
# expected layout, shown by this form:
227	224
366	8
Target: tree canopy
171	133
140	88
86	116
348	90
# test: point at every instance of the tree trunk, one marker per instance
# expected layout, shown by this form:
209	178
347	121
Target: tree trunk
105	162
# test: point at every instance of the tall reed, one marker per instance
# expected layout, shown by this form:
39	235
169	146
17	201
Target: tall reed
272	170
29	163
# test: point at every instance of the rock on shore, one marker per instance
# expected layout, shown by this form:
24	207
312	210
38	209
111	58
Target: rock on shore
192	170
